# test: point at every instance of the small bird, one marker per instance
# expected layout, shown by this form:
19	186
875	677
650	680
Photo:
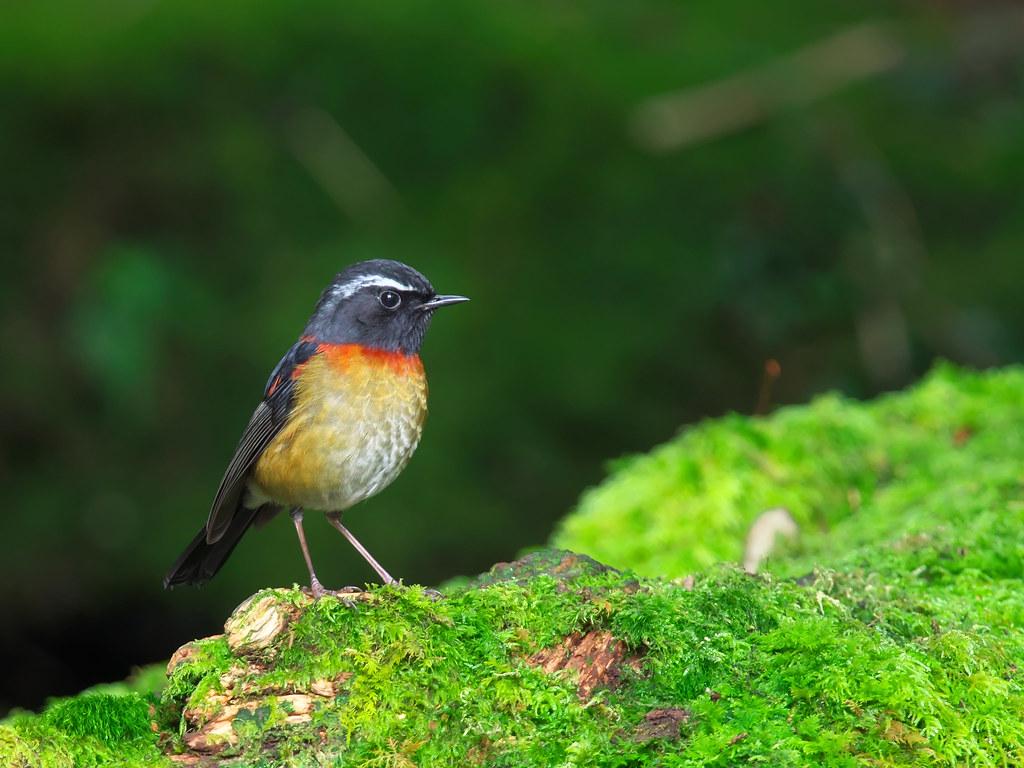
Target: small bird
340	417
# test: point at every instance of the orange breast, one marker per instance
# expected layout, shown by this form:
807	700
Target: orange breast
357	418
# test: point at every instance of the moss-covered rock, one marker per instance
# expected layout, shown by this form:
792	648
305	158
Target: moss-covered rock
945	458
891	634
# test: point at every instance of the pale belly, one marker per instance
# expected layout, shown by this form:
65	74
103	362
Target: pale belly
346	442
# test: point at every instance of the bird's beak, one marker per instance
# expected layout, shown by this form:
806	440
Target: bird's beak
441	301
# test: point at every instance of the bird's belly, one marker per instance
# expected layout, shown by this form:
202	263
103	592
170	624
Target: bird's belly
350	434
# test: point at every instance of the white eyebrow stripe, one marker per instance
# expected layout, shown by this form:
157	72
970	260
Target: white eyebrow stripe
363	281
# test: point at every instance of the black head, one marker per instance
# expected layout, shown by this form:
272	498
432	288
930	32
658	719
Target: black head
381	304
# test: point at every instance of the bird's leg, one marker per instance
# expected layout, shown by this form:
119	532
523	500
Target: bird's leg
334	518
314	583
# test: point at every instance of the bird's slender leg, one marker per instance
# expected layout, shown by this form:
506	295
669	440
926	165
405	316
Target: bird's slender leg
314	583
334	518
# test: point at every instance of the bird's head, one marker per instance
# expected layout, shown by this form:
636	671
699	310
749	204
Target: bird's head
380	304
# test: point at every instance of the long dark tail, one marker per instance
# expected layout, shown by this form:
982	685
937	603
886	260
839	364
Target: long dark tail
200	561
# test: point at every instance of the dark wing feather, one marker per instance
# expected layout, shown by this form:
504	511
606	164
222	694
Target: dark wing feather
257	436
267	420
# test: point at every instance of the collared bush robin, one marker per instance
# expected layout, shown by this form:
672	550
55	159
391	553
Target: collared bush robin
340	417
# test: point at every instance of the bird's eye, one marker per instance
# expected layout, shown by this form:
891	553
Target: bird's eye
389	299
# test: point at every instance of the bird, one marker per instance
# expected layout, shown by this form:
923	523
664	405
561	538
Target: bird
341	415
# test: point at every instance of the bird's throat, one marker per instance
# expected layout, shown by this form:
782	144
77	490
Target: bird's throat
346	357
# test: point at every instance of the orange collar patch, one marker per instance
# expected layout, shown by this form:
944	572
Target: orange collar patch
346	355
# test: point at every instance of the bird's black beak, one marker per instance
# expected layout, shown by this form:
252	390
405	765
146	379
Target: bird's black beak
441	301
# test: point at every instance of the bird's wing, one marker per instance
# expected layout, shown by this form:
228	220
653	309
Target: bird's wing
267	420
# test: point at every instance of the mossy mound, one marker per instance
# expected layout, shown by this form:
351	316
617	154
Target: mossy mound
945	458
891	635
92	729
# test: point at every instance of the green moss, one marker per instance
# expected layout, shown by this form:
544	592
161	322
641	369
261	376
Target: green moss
911	511
848	472
802	674
93	729
892	634
107	718
210	655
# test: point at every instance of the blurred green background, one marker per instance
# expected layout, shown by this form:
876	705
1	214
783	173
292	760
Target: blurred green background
646	200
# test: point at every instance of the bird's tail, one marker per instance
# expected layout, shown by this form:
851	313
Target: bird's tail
200	561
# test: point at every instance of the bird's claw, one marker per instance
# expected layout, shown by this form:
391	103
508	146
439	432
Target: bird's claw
340	594
318	590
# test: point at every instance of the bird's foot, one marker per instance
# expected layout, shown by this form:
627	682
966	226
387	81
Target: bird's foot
349	591
317	589
341	595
